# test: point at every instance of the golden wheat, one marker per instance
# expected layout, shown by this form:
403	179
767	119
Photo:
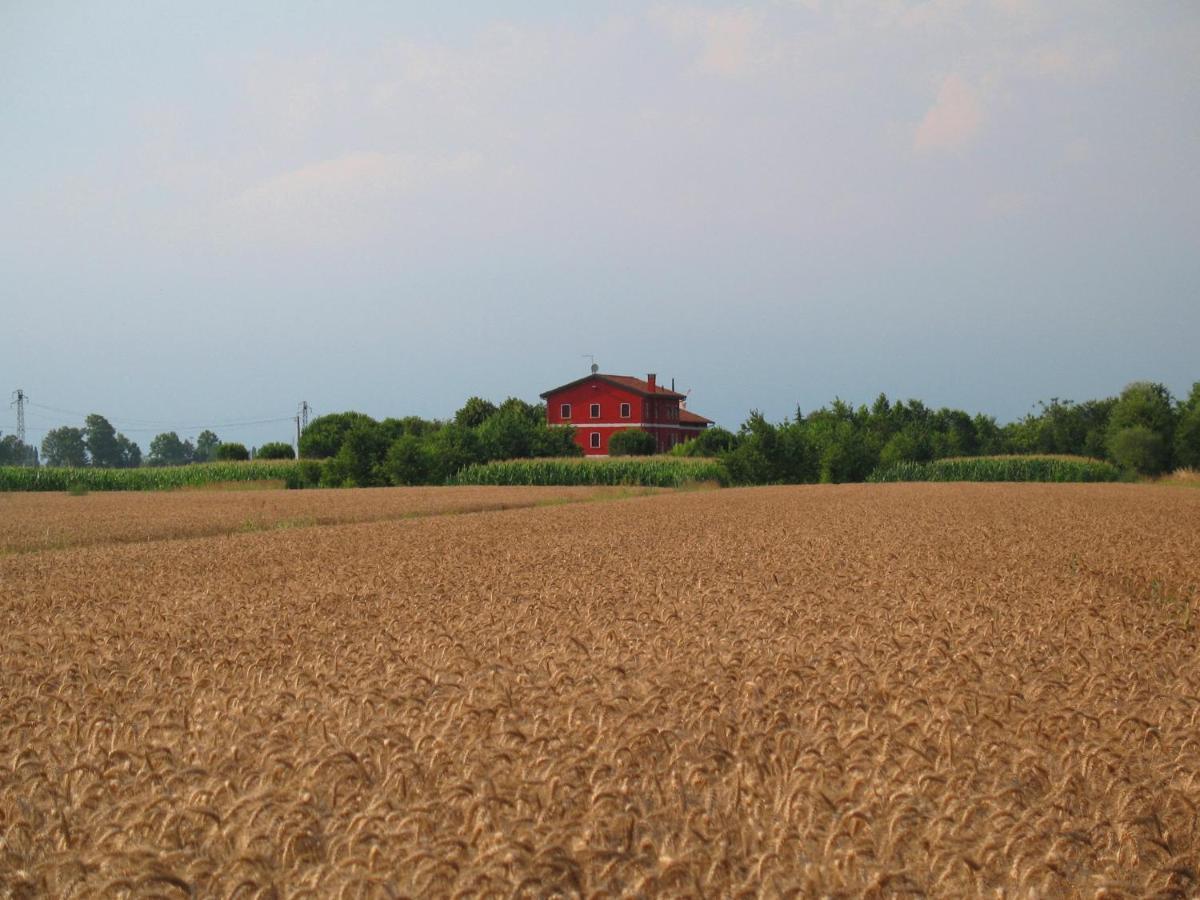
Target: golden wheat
858	690
41	521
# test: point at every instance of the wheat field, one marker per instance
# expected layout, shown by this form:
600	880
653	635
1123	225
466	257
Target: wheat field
861	690
43	521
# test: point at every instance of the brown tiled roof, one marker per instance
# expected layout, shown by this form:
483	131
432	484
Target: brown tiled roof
687	417
637	385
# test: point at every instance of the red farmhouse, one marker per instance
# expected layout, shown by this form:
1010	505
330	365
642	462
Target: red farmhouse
601	405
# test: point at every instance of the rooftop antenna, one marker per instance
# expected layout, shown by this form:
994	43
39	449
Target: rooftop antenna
595	368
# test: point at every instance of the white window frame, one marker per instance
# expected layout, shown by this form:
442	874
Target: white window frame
594	441
564	411
626	410
594	410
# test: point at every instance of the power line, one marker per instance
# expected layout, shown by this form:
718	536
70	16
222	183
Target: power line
211	426
153	425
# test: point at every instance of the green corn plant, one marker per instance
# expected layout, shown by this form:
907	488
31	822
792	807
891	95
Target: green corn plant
1000	468
17	478
641	471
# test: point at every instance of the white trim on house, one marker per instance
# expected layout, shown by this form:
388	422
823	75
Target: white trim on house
564	406
627	424
626	411
594	411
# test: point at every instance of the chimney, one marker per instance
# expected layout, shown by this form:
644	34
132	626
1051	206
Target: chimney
650	379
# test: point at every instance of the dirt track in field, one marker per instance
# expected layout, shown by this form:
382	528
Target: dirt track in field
47	521
938	690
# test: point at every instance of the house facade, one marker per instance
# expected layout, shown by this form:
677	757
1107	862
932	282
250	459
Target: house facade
600	405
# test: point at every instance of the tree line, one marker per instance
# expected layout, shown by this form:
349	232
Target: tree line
99	445
351	449
1144	430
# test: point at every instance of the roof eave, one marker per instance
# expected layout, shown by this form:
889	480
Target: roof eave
662	392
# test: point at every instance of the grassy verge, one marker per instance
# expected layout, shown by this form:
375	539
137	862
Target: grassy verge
205	475
1001	468
646	471
1188	478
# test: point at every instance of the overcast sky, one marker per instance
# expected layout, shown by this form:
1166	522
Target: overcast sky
211	211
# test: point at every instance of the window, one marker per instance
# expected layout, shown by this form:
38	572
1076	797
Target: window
595	440
624	410
564	411
595	414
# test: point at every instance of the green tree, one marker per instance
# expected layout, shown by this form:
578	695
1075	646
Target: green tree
14	453
206	446
474	412
909	445
417	426
710	442
1142	405
991	435
772	454
753	459
556	441
1138	449
324	434
507	435
533	413
845	449
101	440
232	452
129	454
65	446
275	450
632	442
409	460
1187	432
361	454
453	448
167	449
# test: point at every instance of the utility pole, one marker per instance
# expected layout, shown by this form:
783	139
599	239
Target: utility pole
19	399
301	423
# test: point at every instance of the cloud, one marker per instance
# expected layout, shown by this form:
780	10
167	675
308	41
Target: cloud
341	196
1008	204
954	119
727	37
1076	59
356	174
1018	9
930	13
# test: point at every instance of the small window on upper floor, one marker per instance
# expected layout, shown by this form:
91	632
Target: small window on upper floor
595	411
625	411
564	411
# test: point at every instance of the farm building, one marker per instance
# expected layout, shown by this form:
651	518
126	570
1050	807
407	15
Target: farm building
600	405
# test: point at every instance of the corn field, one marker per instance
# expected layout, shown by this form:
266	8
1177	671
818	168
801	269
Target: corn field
19	478
648	471
1001	468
